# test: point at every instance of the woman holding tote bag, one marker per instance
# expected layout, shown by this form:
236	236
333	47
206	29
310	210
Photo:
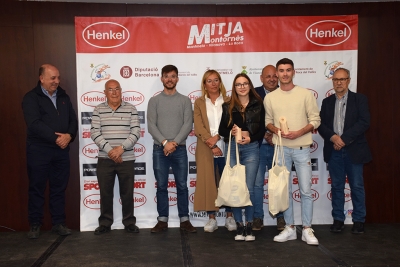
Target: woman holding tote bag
244	114
210	155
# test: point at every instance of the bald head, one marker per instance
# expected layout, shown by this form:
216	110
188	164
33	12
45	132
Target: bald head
268	78
49	77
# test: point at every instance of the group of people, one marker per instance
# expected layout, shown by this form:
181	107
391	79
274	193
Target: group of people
251	116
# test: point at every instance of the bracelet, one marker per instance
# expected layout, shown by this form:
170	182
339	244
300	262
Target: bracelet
164	142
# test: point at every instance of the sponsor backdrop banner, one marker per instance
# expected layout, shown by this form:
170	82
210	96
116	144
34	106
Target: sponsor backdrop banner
133	50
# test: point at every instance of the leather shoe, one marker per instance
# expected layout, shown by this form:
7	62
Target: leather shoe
188	227
132	228
102	229
61	229
34	231
358	228
337	226
159	227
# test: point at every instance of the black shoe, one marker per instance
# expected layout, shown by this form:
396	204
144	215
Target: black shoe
337	226
257	224
132	228
280	223
102	229
240	232
249	232
358	228
61	229
34	231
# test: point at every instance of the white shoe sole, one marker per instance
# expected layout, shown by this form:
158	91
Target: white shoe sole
210	230
239	238
230	229
249	238
284	240
310	243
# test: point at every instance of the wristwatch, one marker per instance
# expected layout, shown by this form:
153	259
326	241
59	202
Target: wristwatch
123	147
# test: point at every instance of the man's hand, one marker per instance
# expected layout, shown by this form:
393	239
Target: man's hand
170	147
268	138
337	142
292	134
115	154
63	140
217	152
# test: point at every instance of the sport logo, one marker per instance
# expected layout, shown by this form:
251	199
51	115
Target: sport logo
93	98
105	34
90	150
133	97
328	33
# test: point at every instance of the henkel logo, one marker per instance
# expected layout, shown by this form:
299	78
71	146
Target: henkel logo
139	150
172	198
314	93
139	199
191	198
90	150
93	98
330	92
105	34
313	147
297	197
194	95
265	197
133	97
347	195
192	148
92	202
328	33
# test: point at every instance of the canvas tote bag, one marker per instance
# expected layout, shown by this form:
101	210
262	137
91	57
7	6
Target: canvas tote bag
232	190
278	181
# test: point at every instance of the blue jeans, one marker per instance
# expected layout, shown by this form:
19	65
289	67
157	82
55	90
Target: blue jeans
266	156
219	164
302	162
339	166
249	157
178	161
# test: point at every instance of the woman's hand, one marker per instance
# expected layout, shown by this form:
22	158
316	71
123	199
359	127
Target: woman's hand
217	152
245	140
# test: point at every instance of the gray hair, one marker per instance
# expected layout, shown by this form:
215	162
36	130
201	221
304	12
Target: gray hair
346	70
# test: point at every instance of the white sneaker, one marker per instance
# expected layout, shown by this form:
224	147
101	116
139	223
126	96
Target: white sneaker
288	233
309	237
211	226
230	224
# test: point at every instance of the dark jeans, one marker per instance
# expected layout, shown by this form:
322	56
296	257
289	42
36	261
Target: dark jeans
106	171
339	166
47	164
178	161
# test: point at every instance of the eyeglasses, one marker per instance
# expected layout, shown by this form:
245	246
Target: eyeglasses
173	77
241	85
211	81
336	80
110	90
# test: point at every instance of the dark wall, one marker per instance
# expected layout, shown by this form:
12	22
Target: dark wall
33	33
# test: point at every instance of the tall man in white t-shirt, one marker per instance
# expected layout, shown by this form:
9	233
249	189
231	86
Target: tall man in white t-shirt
298	105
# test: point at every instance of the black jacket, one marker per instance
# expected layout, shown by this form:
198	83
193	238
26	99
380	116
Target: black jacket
43	119
254	120
356	123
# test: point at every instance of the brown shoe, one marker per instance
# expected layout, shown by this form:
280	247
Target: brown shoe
258	223
188	227
160	226
280	223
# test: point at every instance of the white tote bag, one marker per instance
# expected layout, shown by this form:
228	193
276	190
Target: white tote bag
278	181
232	190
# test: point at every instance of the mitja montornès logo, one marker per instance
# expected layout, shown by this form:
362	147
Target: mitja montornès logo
216	34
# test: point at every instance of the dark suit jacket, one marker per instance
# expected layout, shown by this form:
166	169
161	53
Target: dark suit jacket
356	123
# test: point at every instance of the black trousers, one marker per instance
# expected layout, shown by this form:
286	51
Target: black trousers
107	169
47	164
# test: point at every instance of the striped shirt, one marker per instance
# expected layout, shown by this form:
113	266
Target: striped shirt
112	128
340	112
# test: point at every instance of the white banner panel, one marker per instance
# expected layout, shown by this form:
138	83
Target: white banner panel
133	50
